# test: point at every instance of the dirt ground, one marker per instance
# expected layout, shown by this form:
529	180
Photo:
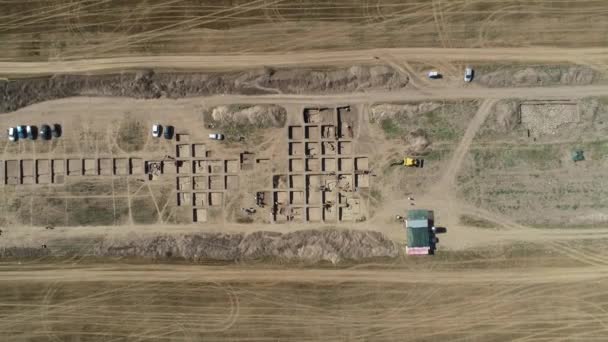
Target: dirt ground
291	218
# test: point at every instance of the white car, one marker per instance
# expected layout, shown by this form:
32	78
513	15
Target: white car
468	74
156	130
433	74
12	134
30	132
216	136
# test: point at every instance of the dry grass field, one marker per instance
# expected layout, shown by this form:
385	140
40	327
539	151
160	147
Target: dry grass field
110	234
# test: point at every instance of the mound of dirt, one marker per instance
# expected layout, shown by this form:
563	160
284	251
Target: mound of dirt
15	94
538	76
305	245
388	111
261	116
417	142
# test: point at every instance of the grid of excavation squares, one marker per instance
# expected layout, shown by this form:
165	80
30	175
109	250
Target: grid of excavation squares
54	171
323	171
202	181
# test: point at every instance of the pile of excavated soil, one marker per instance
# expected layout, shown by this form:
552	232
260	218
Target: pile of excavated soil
305	245
538	76
389	111
15	94
262	116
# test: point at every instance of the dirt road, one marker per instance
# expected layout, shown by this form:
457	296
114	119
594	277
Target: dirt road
303	59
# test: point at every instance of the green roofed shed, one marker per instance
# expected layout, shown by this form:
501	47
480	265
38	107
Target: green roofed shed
419	225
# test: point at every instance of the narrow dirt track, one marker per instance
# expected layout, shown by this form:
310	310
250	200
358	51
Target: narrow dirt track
302	59
122	273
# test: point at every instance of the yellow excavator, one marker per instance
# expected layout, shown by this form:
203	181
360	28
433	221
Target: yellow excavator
409	162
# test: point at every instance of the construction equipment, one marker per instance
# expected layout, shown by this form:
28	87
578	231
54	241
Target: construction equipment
409	162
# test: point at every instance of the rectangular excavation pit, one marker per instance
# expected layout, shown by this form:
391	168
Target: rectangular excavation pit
27	171
312	132
329	147
215	199
90	167
105	166
313	193
182	137
329	165
74	167
296	165
296	197
312	115
345	147
314	214
13	172
200	183
216	166
58	169
216	182
183	199
199	151
346	214
58	166
312	149
43	171
232	182
295	133
137	166
328	132
281	197
183	167
247	161
345	164
199	199
297	181
200	167
362	181
346	120
199	215
231	166
297	214
318	115
182	151
295	149
184	183
345	182
329	213
121	166
313	164
361	163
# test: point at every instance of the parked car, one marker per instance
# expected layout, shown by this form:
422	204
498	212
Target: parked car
12	134
21	132
433	74
216	136
57	130
31	132
468	74
169	132
157	130
45	132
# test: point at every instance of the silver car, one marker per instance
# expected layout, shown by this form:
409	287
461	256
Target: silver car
12	134
468	74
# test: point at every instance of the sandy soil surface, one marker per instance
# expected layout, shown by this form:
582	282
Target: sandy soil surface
82	219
